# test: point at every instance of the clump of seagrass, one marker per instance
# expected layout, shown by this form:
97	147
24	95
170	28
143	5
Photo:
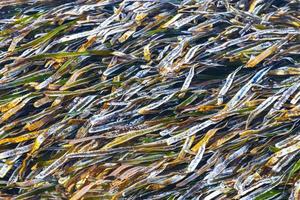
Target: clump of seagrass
151	100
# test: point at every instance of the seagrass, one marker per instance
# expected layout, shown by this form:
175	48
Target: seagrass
150	99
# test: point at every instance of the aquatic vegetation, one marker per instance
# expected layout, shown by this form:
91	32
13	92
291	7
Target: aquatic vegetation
161	99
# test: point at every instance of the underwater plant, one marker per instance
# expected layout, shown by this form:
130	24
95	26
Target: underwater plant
150	99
